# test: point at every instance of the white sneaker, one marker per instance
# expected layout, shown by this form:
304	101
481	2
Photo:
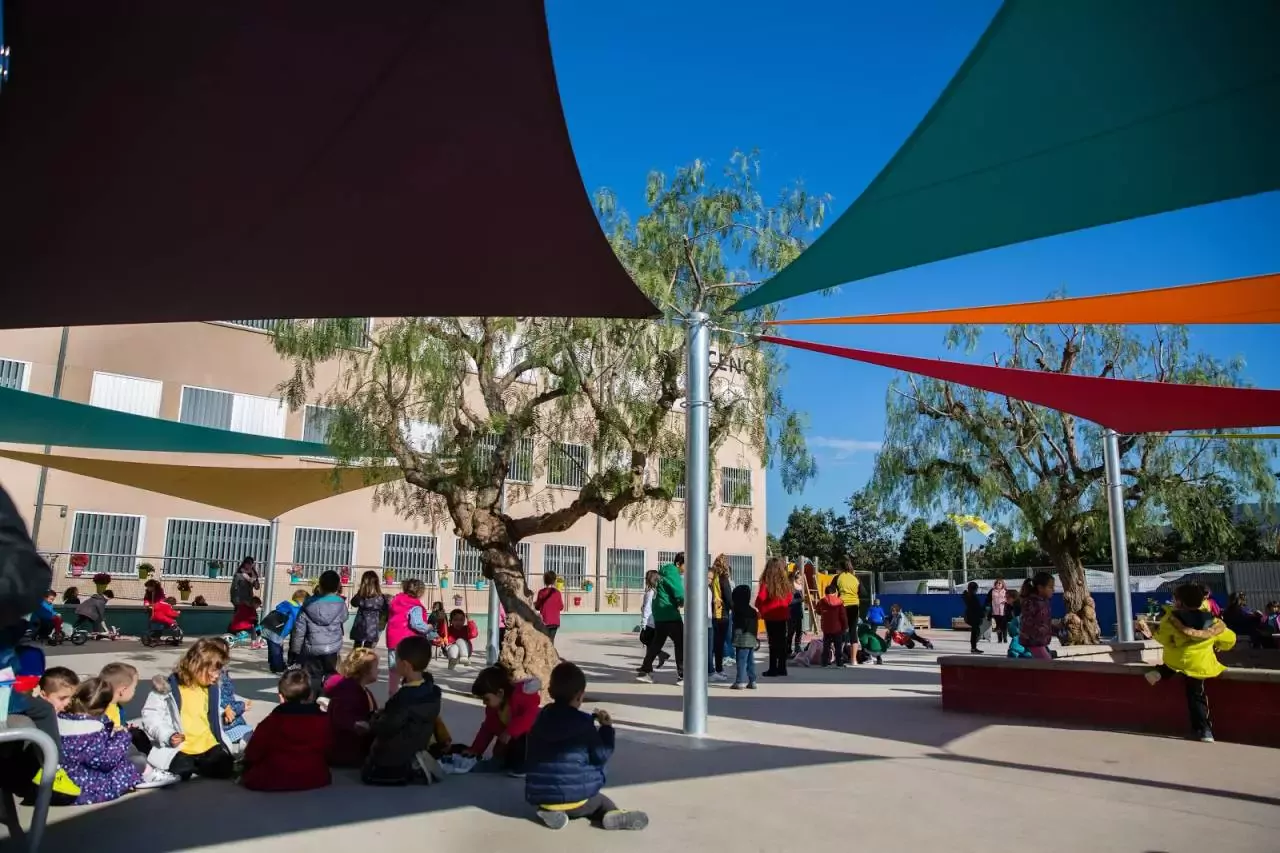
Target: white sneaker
154	777
1152	676
644	678
719	676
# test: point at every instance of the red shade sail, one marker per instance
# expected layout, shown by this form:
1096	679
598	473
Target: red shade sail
1125	405
1255	299
165	161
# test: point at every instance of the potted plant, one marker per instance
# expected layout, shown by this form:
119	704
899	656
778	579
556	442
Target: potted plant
184	589
587	586
295	574
444	578
214	567
101	581
145	570
78	563
612	598
577	601
457	601
388	575
480	584
344	574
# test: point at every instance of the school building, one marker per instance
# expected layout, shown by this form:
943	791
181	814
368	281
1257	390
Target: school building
224	374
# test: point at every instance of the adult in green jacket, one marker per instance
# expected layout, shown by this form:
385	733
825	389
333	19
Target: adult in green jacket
668	598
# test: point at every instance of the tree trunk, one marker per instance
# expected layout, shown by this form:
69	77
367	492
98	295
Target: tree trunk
527	652
1081	617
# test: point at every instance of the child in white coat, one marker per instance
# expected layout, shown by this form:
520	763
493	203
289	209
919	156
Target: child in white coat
646	615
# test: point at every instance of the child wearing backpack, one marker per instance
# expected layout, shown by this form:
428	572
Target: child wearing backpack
276	628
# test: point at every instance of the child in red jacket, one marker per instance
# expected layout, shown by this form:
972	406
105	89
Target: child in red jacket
164	617
835	624
509	711
459	637
290	747
245	617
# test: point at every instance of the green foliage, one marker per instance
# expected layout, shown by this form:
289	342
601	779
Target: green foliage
467	408
811	533
1006	550
865	535
931	551
948	445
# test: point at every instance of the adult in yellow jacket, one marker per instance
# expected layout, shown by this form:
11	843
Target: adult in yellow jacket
847	589
1191	638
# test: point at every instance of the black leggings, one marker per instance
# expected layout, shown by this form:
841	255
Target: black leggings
215	763
975	631
719	630
1002	627
776	630
795	632
662	631
319	668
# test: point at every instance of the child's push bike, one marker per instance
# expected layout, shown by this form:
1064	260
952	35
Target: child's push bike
82	635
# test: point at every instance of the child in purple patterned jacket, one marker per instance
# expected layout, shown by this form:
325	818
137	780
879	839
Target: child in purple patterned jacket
94	753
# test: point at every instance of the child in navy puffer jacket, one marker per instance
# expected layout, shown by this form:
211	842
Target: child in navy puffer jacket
567	755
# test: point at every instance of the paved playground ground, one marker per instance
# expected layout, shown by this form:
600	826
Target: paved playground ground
855	759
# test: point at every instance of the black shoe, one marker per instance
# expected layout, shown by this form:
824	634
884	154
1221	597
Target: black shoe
769	673
663	657
976	652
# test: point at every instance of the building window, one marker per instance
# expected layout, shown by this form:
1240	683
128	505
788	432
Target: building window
15	374
520	469
568	465
742	569
113	543
317	421
320	549
412	555
665	557
422	436
190	545
671	476
227	410
352	332
130	394
735	486
569	562
468	565
625	568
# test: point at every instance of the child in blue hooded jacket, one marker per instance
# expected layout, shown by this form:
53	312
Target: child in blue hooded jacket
277	626
566	759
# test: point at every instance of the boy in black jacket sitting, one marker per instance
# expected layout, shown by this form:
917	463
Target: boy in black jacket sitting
404	730
566	758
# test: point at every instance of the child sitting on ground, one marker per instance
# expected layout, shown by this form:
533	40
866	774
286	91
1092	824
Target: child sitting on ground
289	748
234	726
351	708
123	679
567	756
872	644
407	729
244	623
94	752
903	631
835	624
56	688
183	721
1190	637
509	711
462	632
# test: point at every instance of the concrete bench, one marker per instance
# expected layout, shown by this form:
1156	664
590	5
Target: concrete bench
1245	702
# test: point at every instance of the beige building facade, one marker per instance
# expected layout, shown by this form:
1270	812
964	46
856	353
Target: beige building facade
225	375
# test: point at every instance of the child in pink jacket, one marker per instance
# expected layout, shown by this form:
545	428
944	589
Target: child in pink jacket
510	707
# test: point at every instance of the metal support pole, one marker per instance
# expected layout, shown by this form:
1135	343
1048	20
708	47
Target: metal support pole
964	559
696	507
44	472
599	536
1119	541
269	587
493	647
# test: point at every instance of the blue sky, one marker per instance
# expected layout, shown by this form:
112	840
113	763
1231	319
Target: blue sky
827	91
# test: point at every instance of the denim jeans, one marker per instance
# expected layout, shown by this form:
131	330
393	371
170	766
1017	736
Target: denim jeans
275	656
745	671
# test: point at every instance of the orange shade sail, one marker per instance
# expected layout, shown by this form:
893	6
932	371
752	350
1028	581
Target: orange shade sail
1255	299
1126	405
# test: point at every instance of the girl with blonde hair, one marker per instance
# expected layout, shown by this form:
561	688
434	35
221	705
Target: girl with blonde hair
773	601
183	720
719	598
351	707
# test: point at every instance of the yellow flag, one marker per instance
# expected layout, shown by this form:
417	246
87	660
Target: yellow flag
971	522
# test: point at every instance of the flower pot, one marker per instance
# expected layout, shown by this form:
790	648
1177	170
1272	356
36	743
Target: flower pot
457	601
295	579
184	594
389	577
213	572
577	601
101	587
345	575
77	571
480	584
588	586
444	583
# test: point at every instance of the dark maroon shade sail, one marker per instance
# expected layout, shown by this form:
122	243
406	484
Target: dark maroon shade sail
1125	405
165	161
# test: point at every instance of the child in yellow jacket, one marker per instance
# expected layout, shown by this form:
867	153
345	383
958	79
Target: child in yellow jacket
1191	637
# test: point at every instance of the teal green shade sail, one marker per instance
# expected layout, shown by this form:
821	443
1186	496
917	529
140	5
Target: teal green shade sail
1067	115
27	418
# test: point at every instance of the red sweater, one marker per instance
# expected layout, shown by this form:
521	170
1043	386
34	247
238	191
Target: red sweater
835	619
288	750
243	619
467	632
773	609
521	710
164	613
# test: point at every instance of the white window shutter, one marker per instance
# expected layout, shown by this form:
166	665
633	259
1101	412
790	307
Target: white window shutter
258	415
130	394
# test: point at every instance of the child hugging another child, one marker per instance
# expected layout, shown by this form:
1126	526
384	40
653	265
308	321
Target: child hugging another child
1191	636
183	719
509	711
95	753
567	757
409	729
351	708
289	749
